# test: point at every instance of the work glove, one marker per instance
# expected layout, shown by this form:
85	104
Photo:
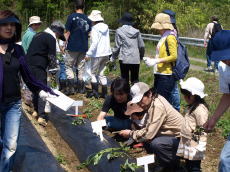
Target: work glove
111	59
44	95
150	61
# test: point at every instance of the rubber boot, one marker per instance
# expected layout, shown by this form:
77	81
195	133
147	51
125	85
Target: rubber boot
70	87
63	85
94	92
104	91
81	87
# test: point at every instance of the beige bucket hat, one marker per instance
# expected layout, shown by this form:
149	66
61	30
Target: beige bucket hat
34	20
162	21
95	16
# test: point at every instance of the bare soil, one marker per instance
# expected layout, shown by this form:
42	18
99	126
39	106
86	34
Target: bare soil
57	146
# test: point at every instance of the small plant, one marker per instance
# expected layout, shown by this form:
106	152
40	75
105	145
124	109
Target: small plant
224	124
61	159
78	121
197	133
129	167
112	153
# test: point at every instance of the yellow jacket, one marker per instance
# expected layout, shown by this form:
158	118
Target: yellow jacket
166	68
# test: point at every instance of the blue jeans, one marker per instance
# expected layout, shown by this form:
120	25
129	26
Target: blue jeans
117	124
62	74
10	121
175	97
209	63
224	165
165	85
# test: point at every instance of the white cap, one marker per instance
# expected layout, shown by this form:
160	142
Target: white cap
194	86
34	20
138	90
95	16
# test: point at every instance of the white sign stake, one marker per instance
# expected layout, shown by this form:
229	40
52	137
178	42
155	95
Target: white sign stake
97	128
77	104
145	161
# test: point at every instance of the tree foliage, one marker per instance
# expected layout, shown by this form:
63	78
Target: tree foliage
192	16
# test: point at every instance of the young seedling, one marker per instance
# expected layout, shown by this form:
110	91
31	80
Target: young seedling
112	153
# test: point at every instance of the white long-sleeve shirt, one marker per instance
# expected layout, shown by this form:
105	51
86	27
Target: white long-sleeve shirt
99	41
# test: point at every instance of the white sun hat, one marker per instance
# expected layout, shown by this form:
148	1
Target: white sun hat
193	85
34	20
95	16
138	90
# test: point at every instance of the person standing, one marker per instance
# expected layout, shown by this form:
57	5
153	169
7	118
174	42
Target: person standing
34	25
42	56
12	66
78	27
164	81
99	53
175	96
130	48
212	28
221	52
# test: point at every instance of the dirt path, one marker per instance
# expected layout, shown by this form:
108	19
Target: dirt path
58	147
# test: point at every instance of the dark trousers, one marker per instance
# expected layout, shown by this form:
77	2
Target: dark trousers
164	148
133	69
39	104
193	166
165	86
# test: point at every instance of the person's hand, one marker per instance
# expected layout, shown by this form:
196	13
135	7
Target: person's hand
150	61
111	59
205	44
44	95
210	124
125	133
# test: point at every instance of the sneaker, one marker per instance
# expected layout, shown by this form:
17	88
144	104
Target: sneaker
42	122
209	69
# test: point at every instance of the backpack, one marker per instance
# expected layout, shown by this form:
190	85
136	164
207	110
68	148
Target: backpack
216	28
181	66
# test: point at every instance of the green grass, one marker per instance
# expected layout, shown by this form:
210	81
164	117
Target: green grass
196	63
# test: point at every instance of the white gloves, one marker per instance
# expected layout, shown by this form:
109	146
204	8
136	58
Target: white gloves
150	61
111	59
44	95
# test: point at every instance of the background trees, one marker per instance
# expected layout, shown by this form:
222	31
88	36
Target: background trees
192	16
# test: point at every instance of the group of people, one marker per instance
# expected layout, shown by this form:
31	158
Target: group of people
146	115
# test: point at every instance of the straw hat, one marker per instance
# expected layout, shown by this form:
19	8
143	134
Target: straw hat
34	20
95	16
162	21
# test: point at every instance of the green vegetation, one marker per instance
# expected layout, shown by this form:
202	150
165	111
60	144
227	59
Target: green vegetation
111	153
78	121
192	16
61	159
129	167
